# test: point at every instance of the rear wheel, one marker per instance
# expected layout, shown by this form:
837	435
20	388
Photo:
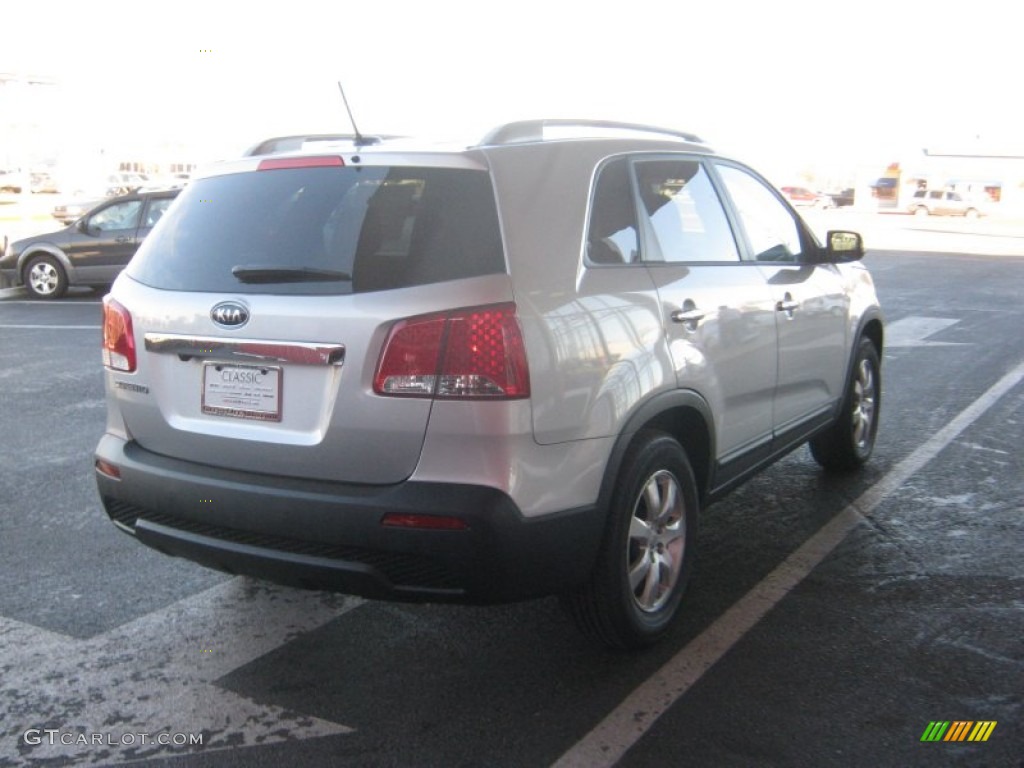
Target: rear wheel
647	554
45	278
971	213
920	211
848	443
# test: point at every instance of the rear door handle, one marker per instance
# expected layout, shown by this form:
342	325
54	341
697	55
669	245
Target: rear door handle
687	316
787	305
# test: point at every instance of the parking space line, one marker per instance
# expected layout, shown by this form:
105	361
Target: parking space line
160	671
48	304
638	712
57	327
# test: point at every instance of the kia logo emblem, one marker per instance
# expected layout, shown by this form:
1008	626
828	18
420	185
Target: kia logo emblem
230	314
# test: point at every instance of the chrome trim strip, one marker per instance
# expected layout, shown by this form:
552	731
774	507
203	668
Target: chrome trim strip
245	350
127	529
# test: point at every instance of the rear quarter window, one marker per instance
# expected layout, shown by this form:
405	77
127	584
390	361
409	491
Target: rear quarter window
351	229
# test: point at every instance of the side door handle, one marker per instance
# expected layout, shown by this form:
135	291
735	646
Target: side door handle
689	316
787	305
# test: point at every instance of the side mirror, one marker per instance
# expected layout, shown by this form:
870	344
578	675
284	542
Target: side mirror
842	246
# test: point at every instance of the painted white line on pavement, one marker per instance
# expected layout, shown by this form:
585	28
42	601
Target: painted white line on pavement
914	332
44	303
638	712
58	327
157	674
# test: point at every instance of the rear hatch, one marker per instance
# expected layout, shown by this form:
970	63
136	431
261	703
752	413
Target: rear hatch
259	306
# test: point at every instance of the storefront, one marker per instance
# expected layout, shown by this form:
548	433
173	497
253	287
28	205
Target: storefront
994	181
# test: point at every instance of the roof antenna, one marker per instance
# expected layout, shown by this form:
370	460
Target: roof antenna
360	141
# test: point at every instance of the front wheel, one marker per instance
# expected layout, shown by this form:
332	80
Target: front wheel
848	443
647	554
45	278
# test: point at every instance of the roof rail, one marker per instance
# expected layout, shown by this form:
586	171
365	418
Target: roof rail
533	130
291	143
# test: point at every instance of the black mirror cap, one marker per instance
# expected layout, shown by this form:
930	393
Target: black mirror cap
843	246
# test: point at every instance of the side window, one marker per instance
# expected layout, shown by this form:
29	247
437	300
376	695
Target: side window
118	216
687	222
612	237
770	227
156	210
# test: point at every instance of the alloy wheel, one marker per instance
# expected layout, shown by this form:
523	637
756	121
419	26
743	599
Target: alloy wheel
656	541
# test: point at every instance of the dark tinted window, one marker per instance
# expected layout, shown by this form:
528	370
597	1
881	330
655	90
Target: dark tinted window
612	237
325	230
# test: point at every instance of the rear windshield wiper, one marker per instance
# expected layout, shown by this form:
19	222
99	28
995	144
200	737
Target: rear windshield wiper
247	274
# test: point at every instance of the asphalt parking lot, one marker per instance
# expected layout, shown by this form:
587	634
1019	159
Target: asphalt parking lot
830	621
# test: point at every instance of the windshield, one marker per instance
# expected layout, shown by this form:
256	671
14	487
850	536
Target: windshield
325	231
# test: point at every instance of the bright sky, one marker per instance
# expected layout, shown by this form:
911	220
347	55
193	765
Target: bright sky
780	84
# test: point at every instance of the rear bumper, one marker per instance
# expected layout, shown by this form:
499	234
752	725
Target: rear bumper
322	535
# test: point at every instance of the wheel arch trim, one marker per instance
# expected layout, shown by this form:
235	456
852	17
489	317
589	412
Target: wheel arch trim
38	249
659	412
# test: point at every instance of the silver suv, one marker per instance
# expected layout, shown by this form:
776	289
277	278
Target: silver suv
478	374
938	202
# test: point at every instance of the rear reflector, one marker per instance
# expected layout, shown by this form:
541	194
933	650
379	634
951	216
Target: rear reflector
106	468
319	161
430	522
118	337
468	354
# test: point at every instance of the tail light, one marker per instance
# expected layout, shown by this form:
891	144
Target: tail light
468	354
118	338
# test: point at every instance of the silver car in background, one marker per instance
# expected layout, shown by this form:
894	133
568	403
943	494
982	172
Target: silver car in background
939	202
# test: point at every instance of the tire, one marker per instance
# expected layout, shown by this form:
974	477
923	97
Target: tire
971	213
44	277
921	211
848	443
647	554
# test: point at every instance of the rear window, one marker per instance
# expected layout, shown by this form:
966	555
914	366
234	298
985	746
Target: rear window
325	231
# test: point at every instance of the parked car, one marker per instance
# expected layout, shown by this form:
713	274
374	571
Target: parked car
42	182
123	183
12	180
83	197
91	251
72	210
478	374
842	198
938	202
800	196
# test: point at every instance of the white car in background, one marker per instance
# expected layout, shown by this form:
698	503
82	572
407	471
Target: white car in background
939	202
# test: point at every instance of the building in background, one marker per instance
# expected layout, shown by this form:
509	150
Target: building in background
41	131
991	177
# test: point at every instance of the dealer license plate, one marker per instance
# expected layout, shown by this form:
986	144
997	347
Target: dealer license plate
242	391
